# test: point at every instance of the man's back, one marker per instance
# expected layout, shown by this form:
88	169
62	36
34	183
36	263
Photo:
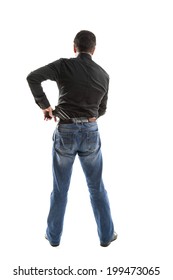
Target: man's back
82	86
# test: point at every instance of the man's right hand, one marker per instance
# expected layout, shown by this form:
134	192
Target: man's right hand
93	119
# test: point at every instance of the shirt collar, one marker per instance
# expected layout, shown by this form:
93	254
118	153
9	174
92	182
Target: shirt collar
85	55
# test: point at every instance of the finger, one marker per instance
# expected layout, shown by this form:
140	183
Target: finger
50	114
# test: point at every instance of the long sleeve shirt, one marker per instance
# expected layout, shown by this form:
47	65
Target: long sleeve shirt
82	83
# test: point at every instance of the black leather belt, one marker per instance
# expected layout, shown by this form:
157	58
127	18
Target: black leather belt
75	120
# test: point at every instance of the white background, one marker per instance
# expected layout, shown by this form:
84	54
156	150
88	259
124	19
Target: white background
134	45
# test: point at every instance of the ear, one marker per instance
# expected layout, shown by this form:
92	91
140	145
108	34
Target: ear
74	48
93	50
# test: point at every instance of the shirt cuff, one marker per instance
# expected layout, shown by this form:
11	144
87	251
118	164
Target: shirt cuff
43	102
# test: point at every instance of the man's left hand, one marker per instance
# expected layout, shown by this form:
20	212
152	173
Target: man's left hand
48	115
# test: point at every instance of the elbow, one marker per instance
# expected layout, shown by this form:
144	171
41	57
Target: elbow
29	78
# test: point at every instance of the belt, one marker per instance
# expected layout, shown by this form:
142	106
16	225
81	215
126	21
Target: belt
77	120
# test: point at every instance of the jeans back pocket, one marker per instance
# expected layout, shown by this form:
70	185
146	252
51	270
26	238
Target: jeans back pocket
63	142
93	141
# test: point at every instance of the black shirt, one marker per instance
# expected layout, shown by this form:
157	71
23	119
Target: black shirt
83	86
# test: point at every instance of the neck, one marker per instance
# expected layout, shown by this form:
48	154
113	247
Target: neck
84	52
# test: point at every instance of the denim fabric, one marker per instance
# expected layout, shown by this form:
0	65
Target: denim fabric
83	140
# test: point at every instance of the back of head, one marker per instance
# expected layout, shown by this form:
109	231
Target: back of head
85	41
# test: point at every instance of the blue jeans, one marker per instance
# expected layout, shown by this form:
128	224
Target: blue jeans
68	141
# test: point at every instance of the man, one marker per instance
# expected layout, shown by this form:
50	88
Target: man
83	90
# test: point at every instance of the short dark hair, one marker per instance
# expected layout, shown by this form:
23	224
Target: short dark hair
85	41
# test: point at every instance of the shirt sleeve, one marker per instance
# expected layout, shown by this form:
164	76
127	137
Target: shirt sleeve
35	78
103	104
